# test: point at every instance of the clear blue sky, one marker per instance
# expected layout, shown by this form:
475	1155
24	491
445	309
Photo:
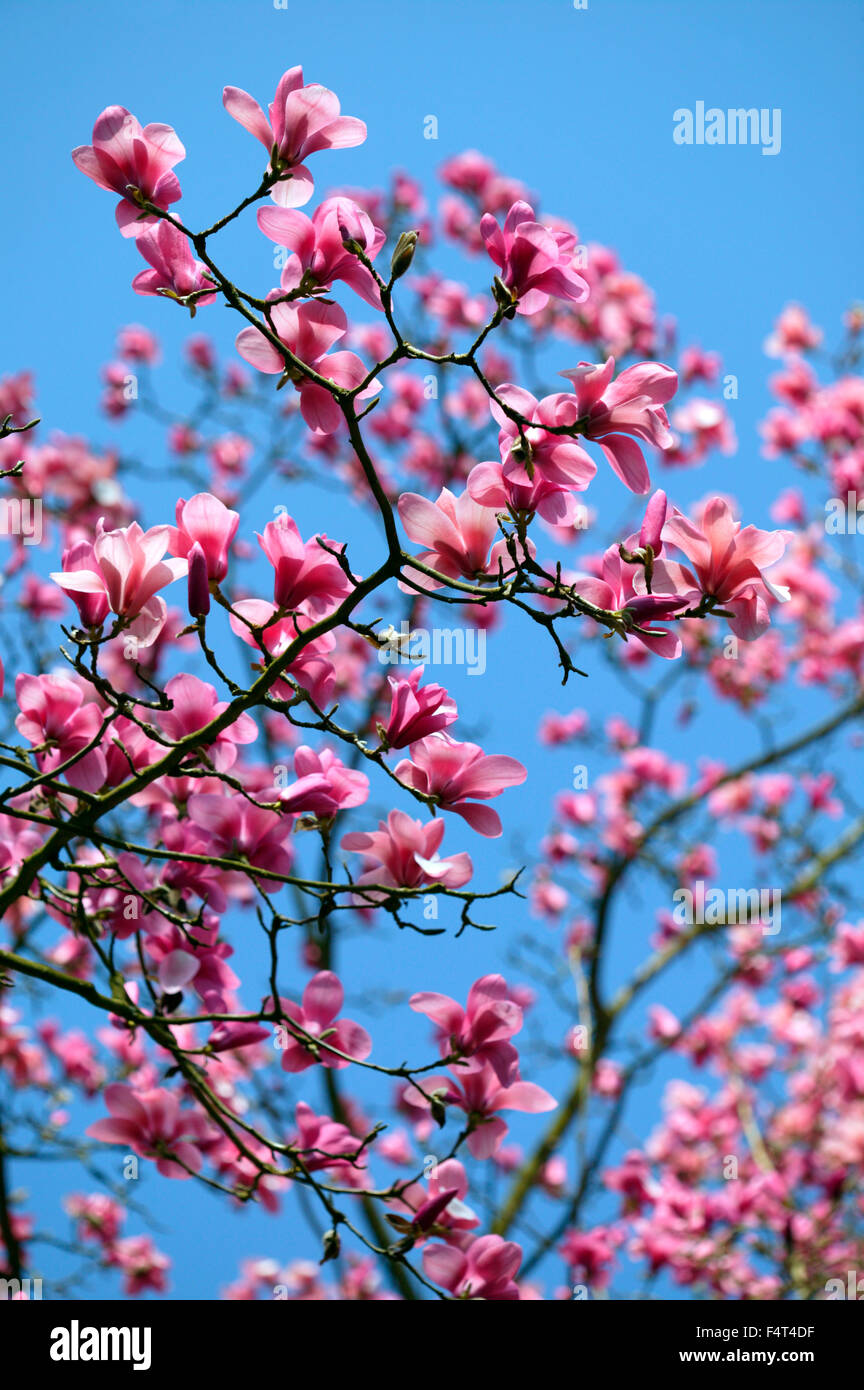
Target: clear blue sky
577	103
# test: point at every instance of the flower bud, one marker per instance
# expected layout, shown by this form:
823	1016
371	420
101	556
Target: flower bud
199	585
403	255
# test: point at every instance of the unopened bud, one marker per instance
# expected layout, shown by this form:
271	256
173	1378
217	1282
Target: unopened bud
199	584
403	255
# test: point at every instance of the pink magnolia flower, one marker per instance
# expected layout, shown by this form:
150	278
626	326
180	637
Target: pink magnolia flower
486	1271
458	532
195	706
152	1125
306	575
124	157
489	485
728	563
313	670
458	775
415	711
555	458
239	830
325	785
616	592
322	999
326	1143
403	853
53	713
616	413
144	1267
176	273
480	1094
302	120
209	522
482	1029
535	261
129	569
319	255
308	331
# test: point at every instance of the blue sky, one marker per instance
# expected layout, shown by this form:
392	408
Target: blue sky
579	105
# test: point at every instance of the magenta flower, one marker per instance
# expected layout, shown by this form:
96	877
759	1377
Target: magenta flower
313	669
152	1125
176	273
129	570
196	705
322	999
535	262
308	331
302	120
415	711
325	785
728	564
319	255
486	1271
53	714
458	532
238	830
479	1093
482	1030
326	1143
616	591
616	413
460	774
491	488
124	159
403	853
209	522
555	458
306	575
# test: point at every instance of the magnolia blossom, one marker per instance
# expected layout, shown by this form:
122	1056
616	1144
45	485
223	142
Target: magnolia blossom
123	155
209	523
460	774
489	484
486	1270
728	564
618	412
616	591
176	273
302	120
239	830
529	451
129	570
322	999
253	619
152	1125
482	1030
479	1092
403	853
308	331
318	244
306	574
458	532
195	705
415	710
53	713
536	262
325	785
